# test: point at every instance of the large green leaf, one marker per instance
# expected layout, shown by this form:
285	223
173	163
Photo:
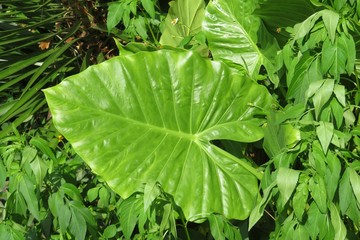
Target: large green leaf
237	36
150	117
183	20
279	14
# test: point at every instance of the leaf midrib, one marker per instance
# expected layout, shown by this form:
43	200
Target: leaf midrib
165	131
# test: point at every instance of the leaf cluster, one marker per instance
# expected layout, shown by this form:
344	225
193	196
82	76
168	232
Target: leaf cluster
226	119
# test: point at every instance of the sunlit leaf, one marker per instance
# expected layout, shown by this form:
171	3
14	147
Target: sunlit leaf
355	183
221	228
129	211
171	111
183	19
322	95
115	14
237	36
325	132
331	19
316	222
77	225
149	7
338	224
27	189
286	180
318	192
301	197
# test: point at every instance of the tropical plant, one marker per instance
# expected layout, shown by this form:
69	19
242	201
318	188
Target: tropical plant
240	121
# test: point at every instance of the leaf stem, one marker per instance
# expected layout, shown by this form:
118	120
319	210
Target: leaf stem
185	228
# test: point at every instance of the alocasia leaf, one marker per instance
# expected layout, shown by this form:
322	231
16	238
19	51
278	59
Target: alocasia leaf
150	117
238	37
183	20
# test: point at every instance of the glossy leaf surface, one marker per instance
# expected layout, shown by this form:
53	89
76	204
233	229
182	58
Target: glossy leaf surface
184	19
150	117
235	36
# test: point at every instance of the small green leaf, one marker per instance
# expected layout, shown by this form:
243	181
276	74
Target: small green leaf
129	211
16	204
301	74
222	229
149	7
303	28
300	197
27	189
55	201
332	175
334	56
345	191
183	19
331	20
322	95
110	231
338	224
286	180
351	53
325	132
72	191
82	210
3	175
104	196
317	159
355	183
140	27
151	192
258	210
316	221
339	91
64	216
168	220
300	232
337	112
318	192
40	168
115	14
290	112
92	193
43	146
28	154
77	225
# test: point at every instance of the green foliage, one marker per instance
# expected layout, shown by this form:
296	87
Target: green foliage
134	20
247	44
42	42
180	107
257	167
182	22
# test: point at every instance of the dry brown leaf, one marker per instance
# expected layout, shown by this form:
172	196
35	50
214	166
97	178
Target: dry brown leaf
69	39
44	45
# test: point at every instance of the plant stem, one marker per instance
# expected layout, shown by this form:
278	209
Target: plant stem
185	228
